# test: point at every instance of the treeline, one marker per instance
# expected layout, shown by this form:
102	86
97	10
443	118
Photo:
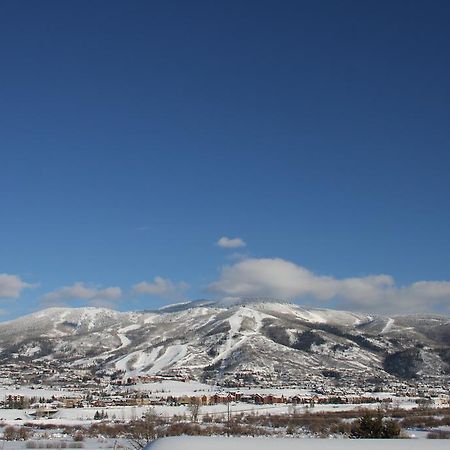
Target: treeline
363	423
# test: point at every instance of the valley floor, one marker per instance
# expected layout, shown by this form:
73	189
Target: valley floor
80	416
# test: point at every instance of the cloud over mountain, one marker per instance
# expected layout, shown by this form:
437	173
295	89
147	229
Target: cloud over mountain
80	291
162	287
278	278
11	286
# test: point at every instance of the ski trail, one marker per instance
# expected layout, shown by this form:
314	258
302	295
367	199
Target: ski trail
388	326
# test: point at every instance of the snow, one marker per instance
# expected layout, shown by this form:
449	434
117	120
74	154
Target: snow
172	354
309	316
169	387
336	317
45	393
61	440
150	318
141	362
236	337
388	326
30	351
129	328
80	416
135	363
249	443
124	340
173	305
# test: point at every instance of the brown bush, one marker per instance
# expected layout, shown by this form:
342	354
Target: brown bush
78	437
9	434
438	434
207	418
236	429
109	430
15	434
183	428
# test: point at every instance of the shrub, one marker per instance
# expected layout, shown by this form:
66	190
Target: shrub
9	434
78	437
438	434
372	426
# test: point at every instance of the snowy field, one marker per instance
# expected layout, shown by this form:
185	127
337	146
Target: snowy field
36	392
78	416
179	388
67	444
194	388
245	443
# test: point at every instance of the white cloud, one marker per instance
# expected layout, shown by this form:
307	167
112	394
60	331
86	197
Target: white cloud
162	287
278	278
79	291
226	242
11	286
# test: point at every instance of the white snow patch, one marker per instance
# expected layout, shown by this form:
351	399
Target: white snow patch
135	363
129	328
30	351
169	387
141	362
151	318
388	326
124	341
236	337
37	392
267	443
172	354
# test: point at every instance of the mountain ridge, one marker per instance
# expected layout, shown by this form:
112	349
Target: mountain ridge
248	342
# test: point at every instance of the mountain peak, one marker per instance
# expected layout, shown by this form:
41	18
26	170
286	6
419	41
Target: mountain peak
262	340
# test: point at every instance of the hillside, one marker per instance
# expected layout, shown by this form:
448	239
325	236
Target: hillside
251	343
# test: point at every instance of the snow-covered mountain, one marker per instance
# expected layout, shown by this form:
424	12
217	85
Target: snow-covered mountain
250	341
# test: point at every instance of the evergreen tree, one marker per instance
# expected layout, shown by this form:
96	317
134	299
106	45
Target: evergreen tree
372	426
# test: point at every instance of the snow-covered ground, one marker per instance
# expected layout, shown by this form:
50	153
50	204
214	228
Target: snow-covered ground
68	443
36	392
150	363
76	416
388	326
178	388
246	443
236	443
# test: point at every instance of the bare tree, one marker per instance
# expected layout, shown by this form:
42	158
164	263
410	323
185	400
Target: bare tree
194	408
141	432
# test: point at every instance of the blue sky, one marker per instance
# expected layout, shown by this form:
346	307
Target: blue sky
134	135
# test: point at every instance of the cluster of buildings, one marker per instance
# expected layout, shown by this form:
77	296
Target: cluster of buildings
83	388
127	396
